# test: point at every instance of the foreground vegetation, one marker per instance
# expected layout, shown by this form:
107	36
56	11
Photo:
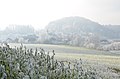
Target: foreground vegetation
23	63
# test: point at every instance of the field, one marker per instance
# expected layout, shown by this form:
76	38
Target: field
107	64
71	53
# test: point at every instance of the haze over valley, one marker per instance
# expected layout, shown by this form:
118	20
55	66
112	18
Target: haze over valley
75	31
59	39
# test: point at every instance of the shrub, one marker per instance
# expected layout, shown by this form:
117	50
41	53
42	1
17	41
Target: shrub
23	63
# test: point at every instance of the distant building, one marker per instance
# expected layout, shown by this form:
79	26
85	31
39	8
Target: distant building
104	42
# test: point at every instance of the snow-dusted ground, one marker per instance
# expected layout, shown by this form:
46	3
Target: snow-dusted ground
104	63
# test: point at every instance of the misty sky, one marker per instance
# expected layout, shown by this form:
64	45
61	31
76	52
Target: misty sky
40	12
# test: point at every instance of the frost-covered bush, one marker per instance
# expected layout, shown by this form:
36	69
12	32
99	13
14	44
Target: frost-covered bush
23	63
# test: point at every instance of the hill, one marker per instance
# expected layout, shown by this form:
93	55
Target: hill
82	26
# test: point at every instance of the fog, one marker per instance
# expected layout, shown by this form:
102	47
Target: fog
59	39
39	13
